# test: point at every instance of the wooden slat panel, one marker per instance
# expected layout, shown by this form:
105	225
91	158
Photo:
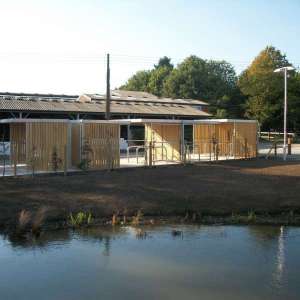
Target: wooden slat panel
165	139
203	135
224	136
43	140
238	140
103	141
75	144
18	143
245	140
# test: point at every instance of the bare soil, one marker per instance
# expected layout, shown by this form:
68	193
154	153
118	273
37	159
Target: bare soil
220	188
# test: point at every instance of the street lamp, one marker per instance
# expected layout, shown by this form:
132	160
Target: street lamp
285	71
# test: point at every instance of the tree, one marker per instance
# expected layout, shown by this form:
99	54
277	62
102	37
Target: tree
159	76
164	62
151	81
138	82
212	81
294	103
194	78
264	88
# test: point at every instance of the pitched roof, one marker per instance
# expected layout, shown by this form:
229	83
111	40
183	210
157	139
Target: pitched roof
133	96
96	104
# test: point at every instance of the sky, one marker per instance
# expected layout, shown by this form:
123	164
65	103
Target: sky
59	46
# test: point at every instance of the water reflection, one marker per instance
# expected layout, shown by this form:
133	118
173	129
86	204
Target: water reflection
280	257
166	262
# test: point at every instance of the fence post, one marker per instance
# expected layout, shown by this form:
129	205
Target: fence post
289	145
150	154
245	149
275	149
217	150
65	161
4	159
15	168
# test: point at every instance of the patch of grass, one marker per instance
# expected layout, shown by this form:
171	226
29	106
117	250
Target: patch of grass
80	219
251	216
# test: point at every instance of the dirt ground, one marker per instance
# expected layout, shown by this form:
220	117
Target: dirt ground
207	188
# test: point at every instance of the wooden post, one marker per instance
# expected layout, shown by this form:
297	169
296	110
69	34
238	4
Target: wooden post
15	168
234	140
150	154
245	149
275	149
289	145
66	160
15	159
182	144
217	151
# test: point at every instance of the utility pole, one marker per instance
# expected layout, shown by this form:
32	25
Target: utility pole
285	71
107	110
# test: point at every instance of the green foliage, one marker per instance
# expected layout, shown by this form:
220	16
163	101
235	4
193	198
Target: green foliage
164	62
195	78
251	216
80	219
157	80
150	81
138	82
257	93
264	88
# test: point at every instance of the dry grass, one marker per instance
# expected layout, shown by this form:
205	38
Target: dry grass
24	220
39	219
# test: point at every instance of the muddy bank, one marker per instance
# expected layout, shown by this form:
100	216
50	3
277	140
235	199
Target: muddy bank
228	192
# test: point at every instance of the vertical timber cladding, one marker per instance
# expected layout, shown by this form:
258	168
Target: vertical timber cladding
101	141
245	139
165	139
47	144
224	136
76	143
18	143
203	135
236	139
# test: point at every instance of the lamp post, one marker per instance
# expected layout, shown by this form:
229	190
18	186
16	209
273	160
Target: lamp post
285	71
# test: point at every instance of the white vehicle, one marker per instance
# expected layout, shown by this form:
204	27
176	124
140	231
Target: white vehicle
123	144
4	148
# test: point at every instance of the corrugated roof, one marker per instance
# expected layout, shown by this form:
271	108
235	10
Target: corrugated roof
122	102
133	96
99	107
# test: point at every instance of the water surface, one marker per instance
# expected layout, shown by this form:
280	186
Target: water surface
205	262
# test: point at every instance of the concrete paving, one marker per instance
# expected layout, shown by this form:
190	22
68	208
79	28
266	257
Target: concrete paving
264	149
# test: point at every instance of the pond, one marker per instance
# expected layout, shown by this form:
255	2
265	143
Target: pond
193	262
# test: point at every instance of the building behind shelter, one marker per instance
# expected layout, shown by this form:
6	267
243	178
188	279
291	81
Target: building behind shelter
124	104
